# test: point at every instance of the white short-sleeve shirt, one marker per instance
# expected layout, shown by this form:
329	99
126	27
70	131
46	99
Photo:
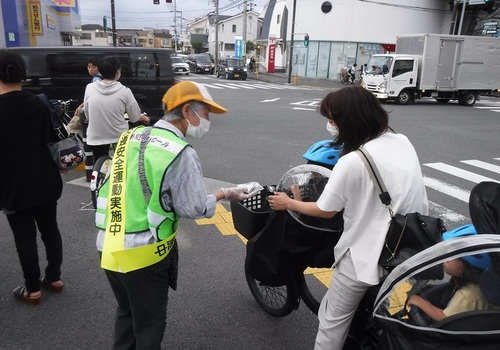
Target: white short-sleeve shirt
366	219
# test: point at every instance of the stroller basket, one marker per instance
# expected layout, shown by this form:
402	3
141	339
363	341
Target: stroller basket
250	215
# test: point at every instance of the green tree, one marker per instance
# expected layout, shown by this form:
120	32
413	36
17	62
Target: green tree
197	46
250	46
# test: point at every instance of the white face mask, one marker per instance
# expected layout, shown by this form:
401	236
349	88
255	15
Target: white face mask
197	132
333	130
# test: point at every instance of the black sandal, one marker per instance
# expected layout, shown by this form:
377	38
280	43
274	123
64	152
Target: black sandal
48	284
21	293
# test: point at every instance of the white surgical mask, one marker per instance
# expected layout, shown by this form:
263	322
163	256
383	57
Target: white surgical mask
197	132
333	130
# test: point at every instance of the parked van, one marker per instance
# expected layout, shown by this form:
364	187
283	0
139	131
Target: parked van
61	72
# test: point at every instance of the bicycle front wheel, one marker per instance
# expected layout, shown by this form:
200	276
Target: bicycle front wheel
100	172
276	301
311	290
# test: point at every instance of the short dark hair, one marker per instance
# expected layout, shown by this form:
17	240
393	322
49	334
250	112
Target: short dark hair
94	61
108	66
12	66
357	113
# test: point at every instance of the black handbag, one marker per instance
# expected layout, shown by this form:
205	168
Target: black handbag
408	234
66	149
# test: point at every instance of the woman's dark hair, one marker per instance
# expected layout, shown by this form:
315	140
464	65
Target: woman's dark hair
108	66
358	115
12	67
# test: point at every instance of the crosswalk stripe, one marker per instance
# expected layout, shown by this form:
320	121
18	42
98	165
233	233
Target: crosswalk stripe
464	174
446	214
483	165
211	86
448	189
262	86
226	85
244	86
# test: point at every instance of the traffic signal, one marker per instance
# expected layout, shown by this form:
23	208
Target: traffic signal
306	41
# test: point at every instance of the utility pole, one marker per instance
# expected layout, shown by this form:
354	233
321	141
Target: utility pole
244	28
464	3
291	43
216	22
113	22
175	26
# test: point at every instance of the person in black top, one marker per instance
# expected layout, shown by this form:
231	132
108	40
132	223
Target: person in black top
30	183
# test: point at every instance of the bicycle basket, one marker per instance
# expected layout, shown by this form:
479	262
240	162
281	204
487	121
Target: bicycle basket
250	215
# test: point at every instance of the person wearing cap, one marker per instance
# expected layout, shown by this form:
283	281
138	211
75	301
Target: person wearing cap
155	180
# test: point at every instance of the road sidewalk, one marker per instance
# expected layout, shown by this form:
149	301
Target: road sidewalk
282	78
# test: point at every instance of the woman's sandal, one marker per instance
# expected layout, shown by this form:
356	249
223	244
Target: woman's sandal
54	286
21	293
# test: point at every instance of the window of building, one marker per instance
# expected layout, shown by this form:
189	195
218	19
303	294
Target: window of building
150	41
100	34
222	28
234	28
278	19
86	36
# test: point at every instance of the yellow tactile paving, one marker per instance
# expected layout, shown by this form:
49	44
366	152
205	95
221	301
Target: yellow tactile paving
223	220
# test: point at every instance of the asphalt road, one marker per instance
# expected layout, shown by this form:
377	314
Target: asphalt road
263	135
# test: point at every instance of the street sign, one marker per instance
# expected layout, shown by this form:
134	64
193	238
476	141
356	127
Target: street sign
490	27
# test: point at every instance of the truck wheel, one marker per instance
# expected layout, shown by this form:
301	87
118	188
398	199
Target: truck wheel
404	98
467	99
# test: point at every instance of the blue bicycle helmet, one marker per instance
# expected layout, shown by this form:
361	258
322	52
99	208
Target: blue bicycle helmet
481	261
323	153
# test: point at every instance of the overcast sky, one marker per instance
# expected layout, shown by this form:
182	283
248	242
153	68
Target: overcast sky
143	13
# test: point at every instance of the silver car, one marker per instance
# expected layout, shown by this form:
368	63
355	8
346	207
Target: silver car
179	66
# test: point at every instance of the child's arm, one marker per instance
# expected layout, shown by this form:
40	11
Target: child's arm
432	311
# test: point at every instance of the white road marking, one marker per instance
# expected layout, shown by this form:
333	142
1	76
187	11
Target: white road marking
448	189
483	165
464	174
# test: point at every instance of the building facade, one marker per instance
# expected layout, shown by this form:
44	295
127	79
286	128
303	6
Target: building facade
40	22
341	32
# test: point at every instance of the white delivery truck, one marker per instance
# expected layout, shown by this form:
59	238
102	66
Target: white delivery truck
444	67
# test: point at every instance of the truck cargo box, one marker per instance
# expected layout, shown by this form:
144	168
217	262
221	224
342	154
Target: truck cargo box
454	62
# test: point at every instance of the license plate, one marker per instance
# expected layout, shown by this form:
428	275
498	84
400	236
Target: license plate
236	75
206	69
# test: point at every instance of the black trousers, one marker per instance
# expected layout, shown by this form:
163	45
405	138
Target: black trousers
24	225
99	151
142	297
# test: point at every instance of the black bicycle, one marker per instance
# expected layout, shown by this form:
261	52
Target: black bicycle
249	217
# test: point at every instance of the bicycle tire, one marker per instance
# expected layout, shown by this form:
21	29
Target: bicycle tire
305	293
276	301
100	172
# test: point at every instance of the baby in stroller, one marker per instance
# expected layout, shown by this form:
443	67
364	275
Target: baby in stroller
462	292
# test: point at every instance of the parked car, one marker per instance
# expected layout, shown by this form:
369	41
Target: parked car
179	66
232	68
61	72
201	63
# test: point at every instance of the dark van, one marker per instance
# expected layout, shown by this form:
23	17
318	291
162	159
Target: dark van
61	72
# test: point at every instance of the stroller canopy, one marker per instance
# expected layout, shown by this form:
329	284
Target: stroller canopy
423	274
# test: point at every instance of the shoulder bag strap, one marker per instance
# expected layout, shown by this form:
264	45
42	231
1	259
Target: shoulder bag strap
384	195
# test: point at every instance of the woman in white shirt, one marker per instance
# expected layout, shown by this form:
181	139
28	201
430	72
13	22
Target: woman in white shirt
360	120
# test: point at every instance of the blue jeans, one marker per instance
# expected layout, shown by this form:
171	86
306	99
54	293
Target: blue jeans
24	226
142	297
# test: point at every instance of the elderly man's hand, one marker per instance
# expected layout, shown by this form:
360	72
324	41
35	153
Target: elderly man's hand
235	194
